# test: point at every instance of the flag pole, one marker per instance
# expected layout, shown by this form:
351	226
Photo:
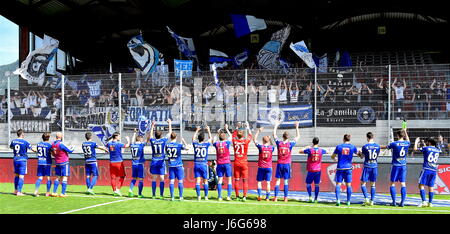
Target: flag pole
181	104
9	108
120	103
62	104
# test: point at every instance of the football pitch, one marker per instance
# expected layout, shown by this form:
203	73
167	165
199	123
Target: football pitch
103	202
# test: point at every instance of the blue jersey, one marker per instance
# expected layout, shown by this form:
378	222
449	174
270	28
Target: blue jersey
173	150
201	152
371	152
137	153
345	155
158	146
89	151
399	152
115	151
44	153
430	157
20	148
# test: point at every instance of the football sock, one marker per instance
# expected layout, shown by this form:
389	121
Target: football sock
245	187
430	197
88	182
63	187
197	189
393	193
171	188
308	188
422	194
364	190
316	192
49	185
16	181
403	192
180	188
286	190
219	190
349	193
93	181
133	182
55	185
229	189
38	183
338	192
161	188
20	184
140	186
236	187
206	188
153	188
275	190
372	193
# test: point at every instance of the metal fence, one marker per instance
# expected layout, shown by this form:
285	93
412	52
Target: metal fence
325	103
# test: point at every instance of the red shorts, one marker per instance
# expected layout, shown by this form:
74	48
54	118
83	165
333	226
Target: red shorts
117	169
240	171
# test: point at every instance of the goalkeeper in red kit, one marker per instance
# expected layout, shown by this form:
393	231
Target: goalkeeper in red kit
240	146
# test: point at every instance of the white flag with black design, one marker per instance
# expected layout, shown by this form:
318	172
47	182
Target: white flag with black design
33	68
145	55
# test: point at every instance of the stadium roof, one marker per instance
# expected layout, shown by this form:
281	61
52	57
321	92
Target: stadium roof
103	26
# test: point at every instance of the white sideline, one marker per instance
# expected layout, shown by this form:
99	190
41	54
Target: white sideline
102	204
282	204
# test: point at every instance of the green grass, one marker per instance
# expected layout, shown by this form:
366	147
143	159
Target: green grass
79	203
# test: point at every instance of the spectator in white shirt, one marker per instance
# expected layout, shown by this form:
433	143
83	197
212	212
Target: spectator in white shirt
399	89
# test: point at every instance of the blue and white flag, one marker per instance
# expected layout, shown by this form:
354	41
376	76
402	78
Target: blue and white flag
95	88
239	59
268	56
184	66
219	58
34	67
103	132
245	24
185	46
143	125
302	51
145	56
321	63
214	70
345	60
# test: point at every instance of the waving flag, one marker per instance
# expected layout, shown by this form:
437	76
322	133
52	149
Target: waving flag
345	60
321	63
185	46
268	56
103	132
145	56
33	68
143	125
302	51
245	24
219	58
239	59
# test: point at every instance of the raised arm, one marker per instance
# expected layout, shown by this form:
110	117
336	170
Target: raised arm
250	135
393	83
210	139
255	139
416	144
151	133
127	145
133	139
195	133
275	127
406	135
169	121
230	136
297	130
